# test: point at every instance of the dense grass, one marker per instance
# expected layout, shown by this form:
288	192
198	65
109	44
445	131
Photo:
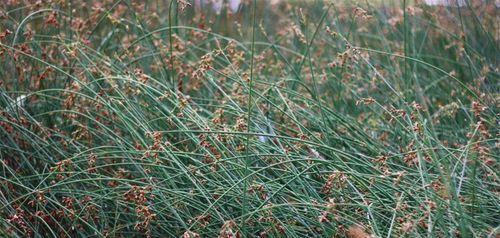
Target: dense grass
300	119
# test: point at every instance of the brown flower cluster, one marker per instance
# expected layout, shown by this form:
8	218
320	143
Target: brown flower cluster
142	198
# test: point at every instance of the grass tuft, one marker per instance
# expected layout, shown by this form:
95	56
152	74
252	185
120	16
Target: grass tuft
282	119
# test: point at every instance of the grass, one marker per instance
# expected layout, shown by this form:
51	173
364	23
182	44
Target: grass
301	119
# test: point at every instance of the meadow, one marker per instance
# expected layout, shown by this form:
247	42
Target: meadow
124	118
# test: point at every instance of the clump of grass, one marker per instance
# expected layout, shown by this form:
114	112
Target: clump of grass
299	119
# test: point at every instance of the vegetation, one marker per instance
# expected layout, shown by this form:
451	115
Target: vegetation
123	118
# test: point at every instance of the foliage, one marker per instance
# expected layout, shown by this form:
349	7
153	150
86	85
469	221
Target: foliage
128	118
